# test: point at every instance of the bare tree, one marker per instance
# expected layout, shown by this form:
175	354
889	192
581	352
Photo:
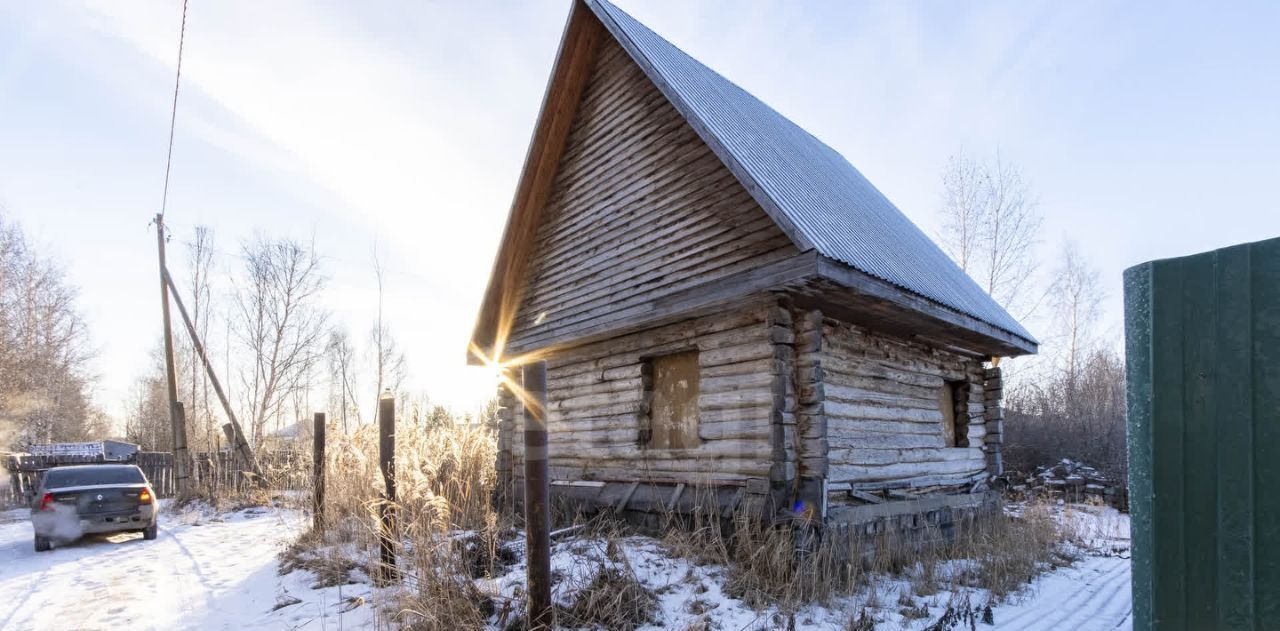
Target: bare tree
388	361
964	206
342	377
1076	299
200	251
280	325
147	409
1073	405
44	349
1080	416
991	227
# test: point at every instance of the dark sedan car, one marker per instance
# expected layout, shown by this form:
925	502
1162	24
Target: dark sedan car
74	501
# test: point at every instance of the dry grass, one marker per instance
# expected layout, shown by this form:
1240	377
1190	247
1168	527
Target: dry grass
329	566
450	535
790	566
612	599
1007	552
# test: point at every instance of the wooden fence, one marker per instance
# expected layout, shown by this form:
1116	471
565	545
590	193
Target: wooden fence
216	472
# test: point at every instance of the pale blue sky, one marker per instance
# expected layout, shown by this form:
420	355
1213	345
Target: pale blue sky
1147	130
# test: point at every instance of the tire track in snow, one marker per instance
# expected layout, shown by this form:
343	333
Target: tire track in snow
1079	604
203	578
55	566
1127	623
219	574
1120	604
1081	611
35	585
1038	612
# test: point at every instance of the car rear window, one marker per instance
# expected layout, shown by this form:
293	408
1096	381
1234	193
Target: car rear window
60	478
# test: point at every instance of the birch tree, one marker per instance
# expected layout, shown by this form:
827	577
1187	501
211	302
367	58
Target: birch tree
280	326
1073	406
1076	301
343	378
991	225
388	361
200	254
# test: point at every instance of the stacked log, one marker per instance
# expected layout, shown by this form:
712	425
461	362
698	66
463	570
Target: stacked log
885	428
1069	481
596	404
993	414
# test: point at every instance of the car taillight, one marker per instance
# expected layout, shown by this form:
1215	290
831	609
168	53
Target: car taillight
46	502
145	496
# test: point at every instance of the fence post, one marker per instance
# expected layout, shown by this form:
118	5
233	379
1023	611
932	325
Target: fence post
318	464
537	516
387	462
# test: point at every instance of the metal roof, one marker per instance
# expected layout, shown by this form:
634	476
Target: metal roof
812	191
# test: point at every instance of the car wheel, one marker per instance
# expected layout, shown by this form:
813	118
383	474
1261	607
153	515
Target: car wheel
149	532
42	544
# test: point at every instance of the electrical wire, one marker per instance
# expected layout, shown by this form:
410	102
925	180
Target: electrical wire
173	114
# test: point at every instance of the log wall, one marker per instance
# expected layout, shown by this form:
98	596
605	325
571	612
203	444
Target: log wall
596	407
880	403
640	208
792	405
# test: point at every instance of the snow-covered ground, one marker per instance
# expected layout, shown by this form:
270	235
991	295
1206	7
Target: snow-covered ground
211	571
1093	594
203	572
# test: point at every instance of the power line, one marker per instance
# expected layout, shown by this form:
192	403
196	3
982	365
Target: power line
173	114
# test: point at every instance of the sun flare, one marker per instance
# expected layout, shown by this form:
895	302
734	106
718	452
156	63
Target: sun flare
503	372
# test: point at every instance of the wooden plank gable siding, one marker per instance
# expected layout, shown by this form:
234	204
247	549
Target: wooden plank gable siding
596	405
881	409
639	208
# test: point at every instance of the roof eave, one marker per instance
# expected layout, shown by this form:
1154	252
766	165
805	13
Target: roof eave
1001	342
581	34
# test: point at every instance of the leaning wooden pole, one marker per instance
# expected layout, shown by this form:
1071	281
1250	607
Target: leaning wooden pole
387	572
236	433
176	418
537	491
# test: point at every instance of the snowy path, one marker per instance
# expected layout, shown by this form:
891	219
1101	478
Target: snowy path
216	574
1095	595
220	573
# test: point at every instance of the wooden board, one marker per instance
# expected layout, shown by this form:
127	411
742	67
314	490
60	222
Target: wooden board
639	208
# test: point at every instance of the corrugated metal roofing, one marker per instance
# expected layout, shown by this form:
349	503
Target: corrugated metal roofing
823	200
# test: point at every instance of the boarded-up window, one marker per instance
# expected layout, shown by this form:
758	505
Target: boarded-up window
953	402
671	390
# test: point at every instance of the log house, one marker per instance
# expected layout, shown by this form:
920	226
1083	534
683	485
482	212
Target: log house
729	310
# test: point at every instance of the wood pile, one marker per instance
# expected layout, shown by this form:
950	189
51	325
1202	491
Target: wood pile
1067	480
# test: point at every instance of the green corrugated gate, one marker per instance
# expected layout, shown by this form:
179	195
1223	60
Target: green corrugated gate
1203	348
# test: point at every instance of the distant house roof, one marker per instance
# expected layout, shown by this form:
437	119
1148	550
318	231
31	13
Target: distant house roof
820	200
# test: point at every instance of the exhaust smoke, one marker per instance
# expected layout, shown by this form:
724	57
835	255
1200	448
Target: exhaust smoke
61	524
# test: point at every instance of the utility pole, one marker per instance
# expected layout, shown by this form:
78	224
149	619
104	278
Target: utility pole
176	417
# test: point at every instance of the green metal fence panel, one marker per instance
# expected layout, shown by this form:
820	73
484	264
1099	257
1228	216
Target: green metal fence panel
1202	341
